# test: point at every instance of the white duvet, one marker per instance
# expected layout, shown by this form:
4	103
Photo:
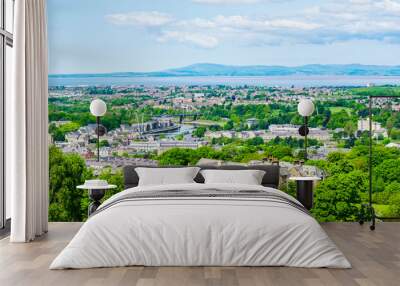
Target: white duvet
202	232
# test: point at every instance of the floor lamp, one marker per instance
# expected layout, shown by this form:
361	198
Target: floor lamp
369	208
98	108
306	109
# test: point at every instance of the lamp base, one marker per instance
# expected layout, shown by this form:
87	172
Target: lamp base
95	195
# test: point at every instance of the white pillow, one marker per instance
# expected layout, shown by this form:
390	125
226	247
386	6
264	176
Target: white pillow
248	177
166	176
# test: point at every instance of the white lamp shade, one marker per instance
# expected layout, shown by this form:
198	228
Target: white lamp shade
98	107
305	107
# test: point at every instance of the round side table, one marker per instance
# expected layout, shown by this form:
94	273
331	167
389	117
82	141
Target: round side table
305	187
95	195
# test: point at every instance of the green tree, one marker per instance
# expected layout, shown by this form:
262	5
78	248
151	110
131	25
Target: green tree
278	151
199	132
207	152
256	141
388	170
335	157
341	166
350	128
178	157
58	133
337	197
104	143
395	134
322	164
228	125
385	196
179	137
339	120
394	205
66	171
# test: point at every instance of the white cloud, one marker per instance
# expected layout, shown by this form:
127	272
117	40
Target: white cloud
226	1
329	22
389	5
140	18
197	23
197	39
242	22
344	20
365	8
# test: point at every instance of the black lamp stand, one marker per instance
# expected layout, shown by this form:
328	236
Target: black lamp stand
98	138
367	210
303	131
100	131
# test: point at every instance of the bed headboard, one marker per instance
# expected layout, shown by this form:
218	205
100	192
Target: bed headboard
271	177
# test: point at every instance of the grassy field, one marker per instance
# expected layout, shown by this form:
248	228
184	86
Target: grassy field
382	210
378	91
206	122
337	109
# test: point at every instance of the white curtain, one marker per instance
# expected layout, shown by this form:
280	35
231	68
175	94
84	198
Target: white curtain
27	124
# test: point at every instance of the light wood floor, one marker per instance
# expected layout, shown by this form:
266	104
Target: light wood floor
375	257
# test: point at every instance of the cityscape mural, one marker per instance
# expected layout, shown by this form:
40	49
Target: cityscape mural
219	82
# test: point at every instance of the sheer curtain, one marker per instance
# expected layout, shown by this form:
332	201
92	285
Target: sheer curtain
27	124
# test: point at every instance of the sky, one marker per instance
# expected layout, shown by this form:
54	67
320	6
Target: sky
98	36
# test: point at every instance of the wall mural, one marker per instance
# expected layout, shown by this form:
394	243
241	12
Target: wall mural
220	81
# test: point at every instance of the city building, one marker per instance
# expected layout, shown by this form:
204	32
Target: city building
251	122
377	129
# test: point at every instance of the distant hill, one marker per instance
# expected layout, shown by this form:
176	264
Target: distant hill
205	69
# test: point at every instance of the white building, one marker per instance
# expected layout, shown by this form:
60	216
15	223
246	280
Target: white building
105	152
147	146
77	138
161	146
289	130
220	134
61	122
283	129
377	129
363	125
393	145
251	122
166	145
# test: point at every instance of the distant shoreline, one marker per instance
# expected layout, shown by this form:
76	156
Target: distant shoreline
210	69
269	81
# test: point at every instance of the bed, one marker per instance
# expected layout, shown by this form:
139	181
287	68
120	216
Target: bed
201	224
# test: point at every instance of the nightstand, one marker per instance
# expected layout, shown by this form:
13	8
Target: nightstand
304	191
96	190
